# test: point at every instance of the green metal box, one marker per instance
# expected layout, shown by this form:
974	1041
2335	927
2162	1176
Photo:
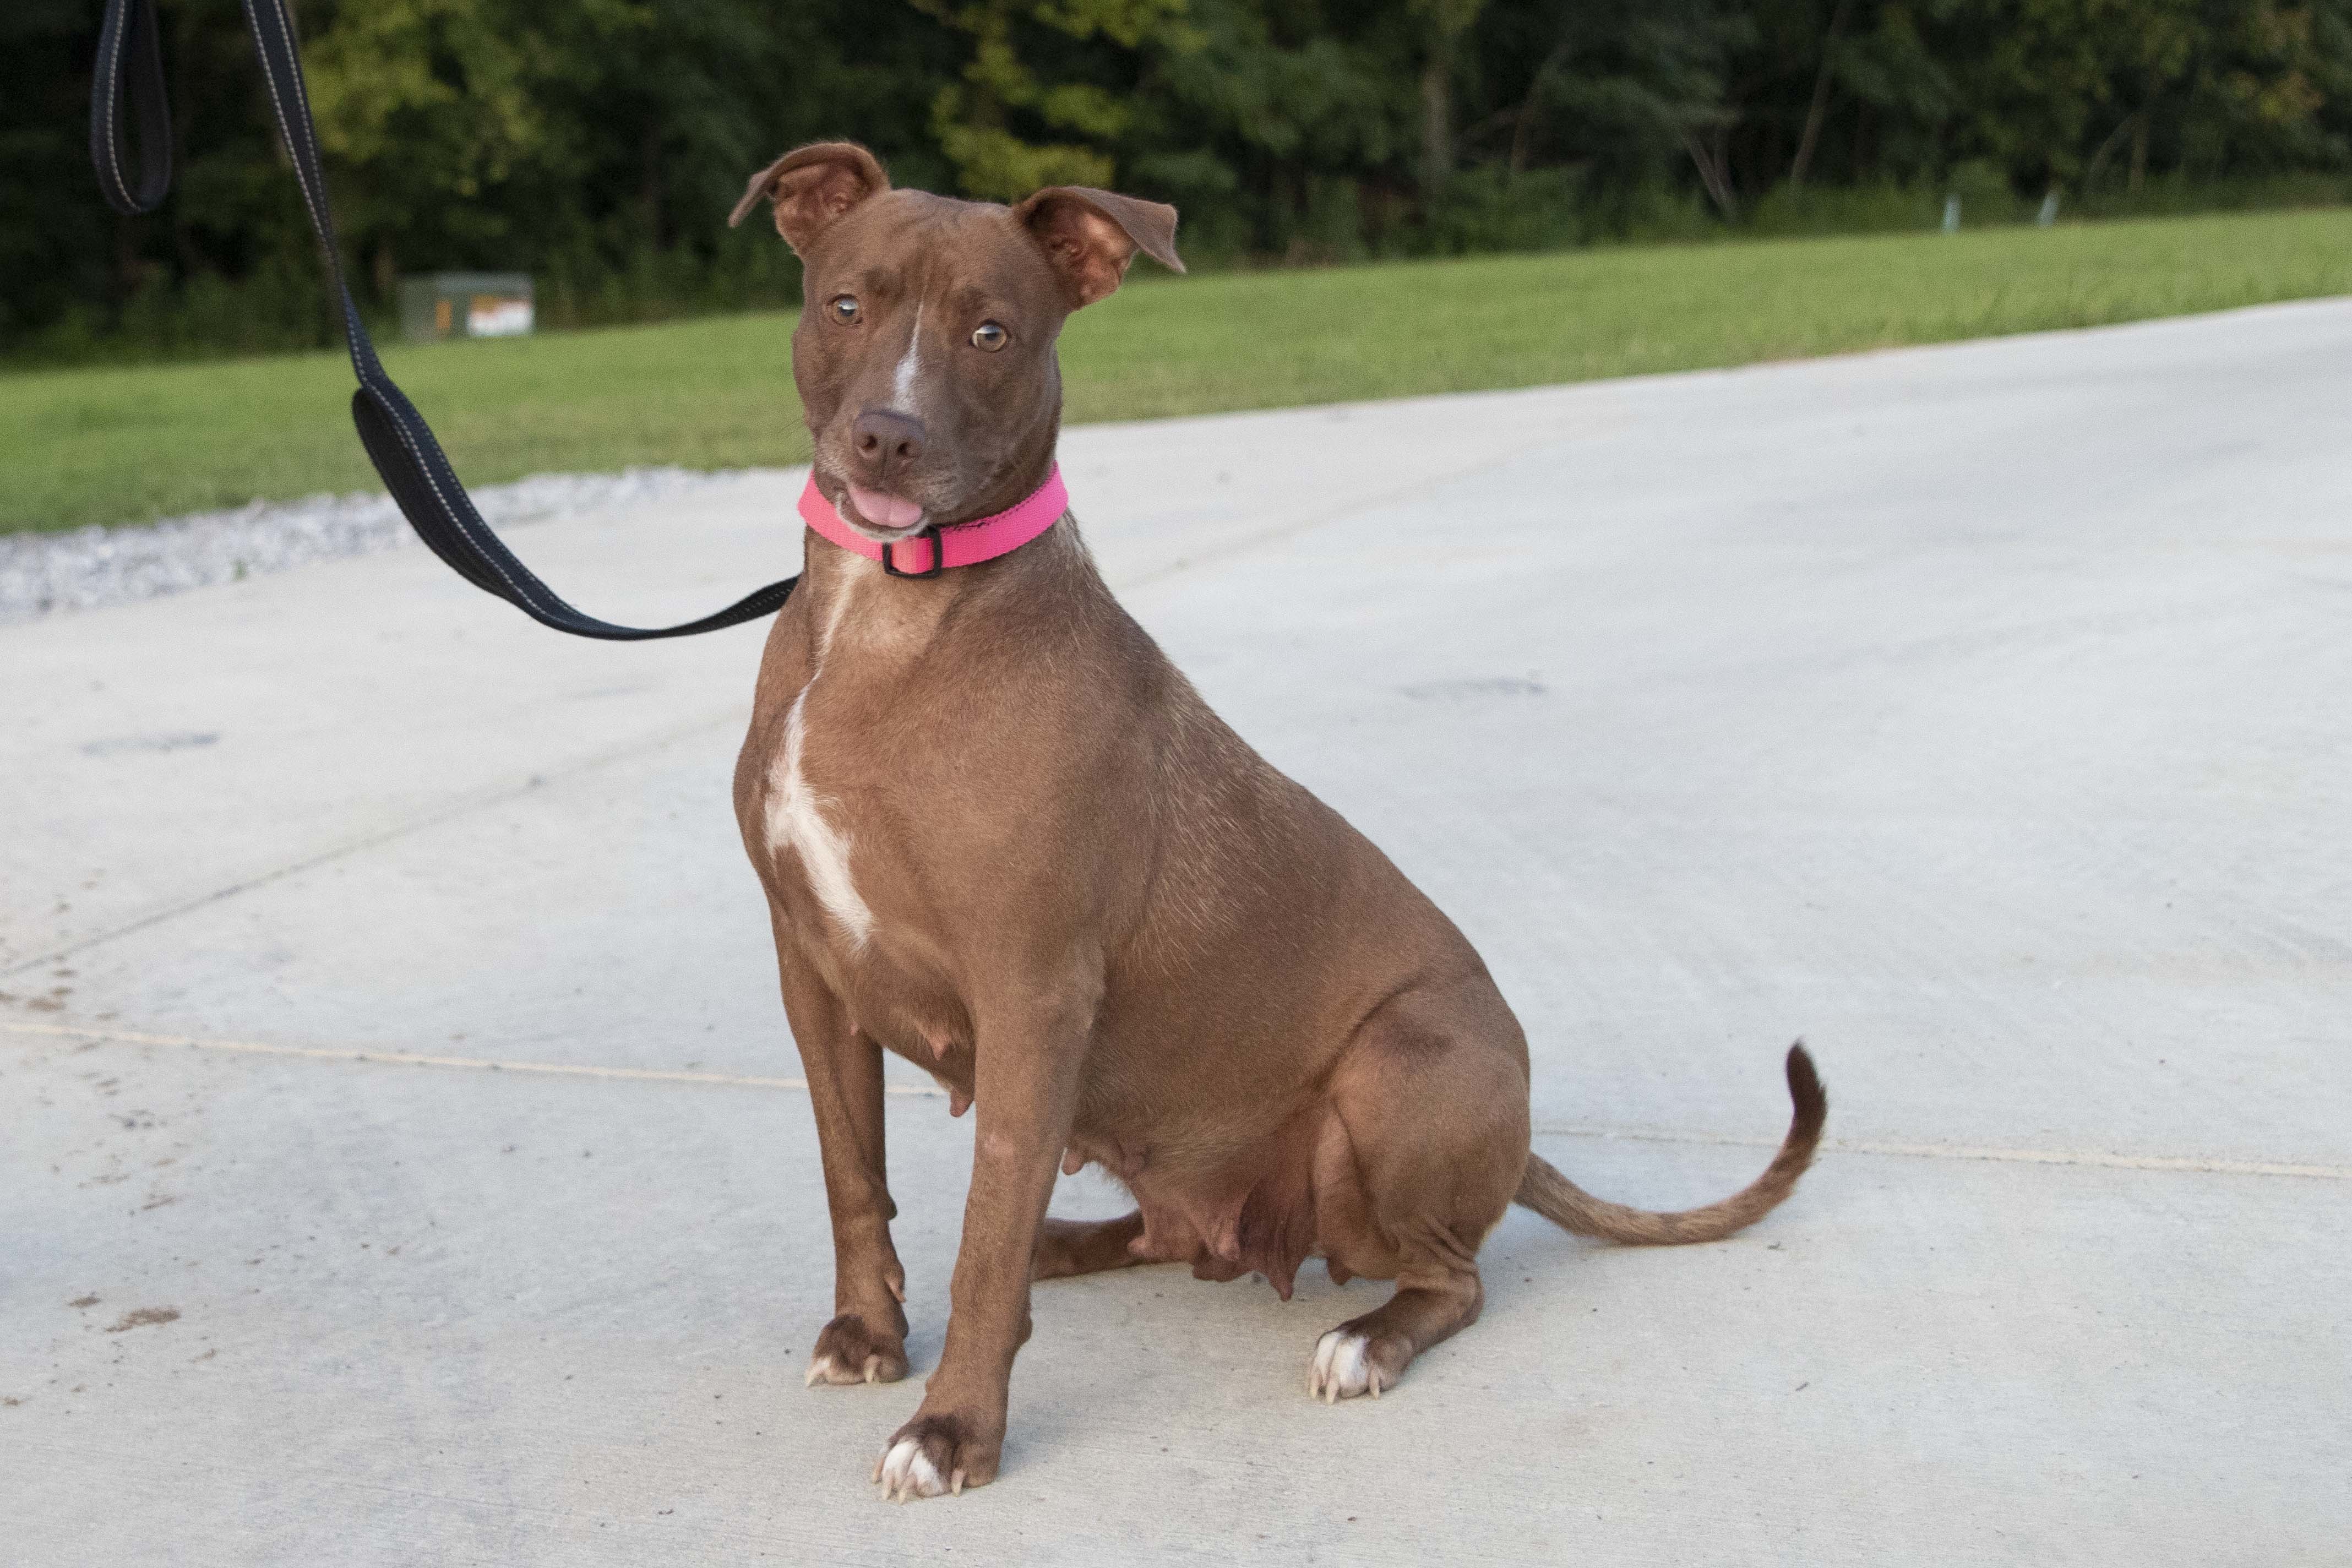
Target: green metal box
465	305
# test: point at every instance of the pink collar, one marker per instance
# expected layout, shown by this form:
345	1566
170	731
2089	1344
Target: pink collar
958	544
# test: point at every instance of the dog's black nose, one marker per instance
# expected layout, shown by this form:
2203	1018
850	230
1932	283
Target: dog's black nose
886	444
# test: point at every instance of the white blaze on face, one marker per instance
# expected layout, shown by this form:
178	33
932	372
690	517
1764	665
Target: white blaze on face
796	819
902	380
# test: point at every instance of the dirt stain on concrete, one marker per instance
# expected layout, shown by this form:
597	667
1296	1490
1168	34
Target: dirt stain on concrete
144	1316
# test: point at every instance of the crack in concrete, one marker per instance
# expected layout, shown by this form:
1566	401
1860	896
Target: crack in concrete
447	811
1899	1148
1879	1146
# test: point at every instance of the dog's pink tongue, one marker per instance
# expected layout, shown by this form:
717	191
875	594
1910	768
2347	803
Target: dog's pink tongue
880	508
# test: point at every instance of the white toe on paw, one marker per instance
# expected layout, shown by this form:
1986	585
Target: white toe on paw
827	1368
1344	1367
906	1473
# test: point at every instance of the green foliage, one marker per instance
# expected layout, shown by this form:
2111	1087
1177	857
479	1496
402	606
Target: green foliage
974	118
599	143
717	392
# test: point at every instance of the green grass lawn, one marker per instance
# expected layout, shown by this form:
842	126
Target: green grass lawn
114	446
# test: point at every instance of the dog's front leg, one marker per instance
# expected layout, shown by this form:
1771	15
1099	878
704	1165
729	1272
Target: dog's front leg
1027	1056
867	1340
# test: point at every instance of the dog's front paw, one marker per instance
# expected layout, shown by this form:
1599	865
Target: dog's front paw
1349	1362
848	1351
936	1455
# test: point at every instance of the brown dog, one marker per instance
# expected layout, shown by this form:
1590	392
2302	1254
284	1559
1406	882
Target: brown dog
1002	837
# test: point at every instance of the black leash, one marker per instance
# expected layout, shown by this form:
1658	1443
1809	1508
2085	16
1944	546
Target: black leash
129	66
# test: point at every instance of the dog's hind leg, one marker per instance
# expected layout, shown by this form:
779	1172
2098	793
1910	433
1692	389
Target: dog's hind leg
1366	1354
1418	1159
1068	1246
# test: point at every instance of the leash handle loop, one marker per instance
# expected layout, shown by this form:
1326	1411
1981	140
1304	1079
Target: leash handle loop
398	441
127	79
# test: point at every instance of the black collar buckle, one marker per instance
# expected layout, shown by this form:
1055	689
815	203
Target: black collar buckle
939	554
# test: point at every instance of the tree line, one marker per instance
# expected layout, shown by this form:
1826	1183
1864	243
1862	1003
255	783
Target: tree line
599	143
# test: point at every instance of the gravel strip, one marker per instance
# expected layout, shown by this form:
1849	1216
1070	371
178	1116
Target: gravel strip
43	574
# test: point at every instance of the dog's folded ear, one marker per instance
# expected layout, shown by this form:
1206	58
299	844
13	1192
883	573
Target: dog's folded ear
1090	236
811	186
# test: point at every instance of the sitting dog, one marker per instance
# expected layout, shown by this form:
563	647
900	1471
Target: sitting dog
1002	837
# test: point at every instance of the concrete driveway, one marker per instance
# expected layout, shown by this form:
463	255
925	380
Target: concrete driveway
402	1160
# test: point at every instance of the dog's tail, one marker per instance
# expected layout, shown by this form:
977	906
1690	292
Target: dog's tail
1570	1207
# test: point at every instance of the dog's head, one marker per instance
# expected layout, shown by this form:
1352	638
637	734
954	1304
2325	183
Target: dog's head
925	349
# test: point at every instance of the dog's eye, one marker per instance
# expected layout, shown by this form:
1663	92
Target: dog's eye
988	335
844	308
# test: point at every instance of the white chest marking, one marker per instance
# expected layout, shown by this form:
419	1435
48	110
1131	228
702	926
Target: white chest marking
902	380
796	818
